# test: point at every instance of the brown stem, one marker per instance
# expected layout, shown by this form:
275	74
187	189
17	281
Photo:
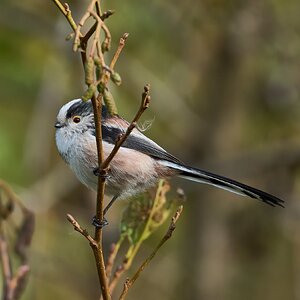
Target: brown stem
78	35
5	263
79	229
79	41
96	36
117	274
119	50
13	284
112	256
129	282
144	105
98	253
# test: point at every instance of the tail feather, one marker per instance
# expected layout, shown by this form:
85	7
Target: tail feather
224	183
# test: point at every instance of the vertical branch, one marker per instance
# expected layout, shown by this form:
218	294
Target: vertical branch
5	263
98	251
81	42
14	282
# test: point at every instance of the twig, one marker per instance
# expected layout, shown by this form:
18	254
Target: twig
66	12
76	43
13	284
144	105
98	253
79	229
97	106
90	32
5	262
119	50
112	256
97	250
98	8
90	12
97	33
18	282
117	274
129	282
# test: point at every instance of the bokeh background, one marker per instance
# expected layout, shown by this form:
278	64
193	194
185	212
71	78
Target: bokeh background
225	97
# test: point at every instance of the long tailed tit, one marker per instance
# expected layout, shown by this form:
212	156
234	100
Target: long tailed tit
138	164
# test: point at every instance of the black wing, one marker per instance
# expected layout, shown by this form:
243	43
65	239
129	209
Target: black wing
137	141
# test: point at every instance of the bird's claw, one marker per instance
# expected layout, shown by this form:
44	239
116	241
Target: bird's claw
99	223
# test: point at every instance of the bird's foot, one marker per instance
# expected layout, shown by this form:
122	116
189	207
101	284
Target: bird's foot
99	223
98	174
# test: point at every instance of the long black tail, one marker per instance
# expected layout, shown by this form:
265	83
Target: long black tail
224	183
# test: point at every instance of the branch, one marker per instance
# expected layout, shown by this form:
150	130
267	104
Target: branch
82	41
90	32
66	12
144	105
129	282
79	229
119	50
98	253
112	256
13	284
5	262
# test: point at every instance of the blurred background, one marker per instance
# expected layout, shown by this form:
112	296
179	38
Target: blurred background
225	97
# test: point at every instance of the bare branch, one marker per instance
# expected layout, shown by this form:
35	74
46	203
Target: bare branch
81	41
14	284
112	256
119	50
144	105
5	262
18	282
66	12
79	229
129	282
98	253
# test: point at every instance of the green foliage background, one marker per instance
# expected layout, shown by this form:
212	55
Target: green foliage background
225	97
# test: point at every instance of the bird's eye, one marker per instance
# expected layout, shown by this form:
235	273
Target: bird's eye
76	119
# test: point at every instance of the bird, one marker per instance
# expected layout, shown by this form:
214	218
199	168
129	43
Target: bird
138	164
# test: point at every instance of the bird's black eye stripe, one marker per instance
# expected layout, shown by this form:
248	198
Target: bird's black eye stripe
80	108
83	108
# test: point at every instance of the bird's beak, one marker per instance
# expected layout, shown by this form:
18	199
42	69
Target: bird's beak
58	125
